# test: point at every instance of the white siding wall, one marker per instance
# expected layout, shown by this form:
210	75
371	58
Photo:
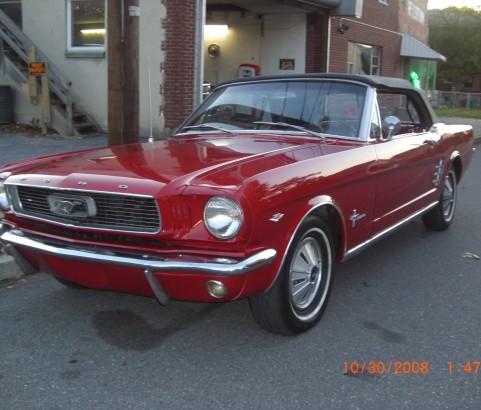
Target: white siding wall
284	38
44	22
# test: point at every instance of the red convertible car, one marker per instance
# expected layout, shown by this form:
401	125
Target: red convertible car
258	194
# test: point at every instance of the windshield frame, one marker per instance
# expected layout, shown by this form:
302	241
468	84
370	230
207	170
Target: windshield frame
286	88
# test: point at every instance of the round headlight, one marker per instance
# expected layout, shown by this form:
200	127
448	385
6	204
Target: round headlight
223	217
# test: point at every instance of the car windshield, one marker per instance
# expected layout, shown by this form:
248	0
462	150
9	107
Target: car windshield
332	108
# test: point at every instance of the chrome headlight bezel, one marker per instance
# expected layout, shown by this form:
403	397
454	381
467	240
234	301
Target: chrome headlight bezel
4	202
223	217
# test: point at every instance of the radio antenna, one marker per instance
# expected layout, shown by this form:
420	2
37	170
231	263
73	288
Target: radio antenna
151	137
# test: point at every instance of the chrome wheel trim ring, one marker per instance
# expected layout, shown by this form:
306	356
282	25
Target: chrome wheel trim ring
308	270
449	197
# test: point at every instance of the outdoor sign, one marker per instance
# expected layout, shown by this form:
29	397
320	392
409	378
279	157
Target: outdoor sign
287	64
37	69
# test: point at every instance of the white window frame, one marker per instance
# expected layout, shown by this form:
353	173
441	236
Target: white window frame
352	64
376	53
83	49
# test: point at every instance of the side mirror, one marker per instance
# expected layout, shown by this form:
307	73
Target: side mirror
390	126
435	133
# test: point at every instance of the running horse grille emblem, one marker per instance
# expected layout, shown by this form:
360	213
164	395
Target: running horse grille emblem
74	206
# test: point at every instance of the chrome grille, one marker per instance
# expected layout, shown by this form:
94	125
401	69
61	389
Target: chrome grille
113	212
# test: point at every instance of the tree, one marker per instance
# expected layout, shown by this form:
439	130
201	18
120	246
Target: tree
456	33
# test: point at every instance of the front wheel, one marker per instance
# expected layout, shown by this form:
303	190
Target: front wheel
298	297
441	217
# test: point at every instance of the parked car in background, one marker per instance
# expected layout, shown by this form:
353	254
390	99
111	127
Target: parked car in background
258	194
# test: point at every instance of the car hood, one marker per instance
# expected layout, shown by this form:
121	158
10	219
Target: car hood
146	168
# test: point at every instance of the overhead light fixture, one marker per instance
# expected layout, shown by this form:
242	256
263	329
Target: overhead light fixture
216	30
93	31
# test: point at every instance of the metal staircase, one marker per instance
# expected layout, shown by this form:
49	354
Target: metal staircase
66	117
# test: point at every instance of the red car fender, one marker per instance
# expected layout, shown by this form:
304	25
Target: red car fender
324	206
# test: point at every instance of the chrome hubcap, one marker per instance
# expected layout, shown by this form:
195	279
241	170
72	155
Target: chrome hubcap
449	197
305	274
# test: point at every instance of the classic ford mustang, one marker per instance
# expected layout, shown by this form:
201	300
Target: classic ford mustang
258	194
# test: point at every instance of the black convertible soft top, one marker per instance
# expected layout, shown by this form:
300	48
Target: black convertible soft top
372	80
390	84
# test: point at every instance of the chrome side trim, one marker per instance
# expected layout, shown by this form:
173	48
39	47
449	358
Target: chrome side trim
173	263
76	190
356	250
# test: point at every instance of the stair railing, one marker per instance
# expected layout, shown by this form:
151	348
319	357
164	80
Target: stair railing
59	84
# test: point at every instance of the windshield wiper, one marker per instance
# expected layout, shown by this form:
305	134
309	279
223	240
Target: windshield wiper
296	127
212	127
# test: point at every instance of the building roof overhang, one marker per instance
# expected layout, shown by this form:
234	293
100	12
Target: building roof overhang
410	47
272	6
329	4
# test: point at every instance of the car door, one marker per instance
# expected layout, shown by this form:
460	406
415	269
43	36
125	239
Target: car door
407	166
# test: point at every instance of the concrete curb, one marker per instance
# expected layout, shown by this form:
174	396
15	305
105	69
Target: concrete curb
9	270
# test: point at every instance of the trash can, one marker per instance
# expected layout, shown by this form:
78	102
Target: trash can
5	104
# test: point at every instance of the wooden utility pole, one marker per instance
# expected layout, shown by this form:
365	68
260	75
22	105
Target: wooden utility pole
46	112
123	71
39	69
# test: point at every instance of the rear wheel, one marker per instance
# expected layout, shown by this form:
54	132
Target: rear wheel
441	217
298	297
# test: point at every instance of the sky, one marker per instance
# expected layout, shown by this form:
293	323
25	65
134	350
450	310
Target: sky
442	4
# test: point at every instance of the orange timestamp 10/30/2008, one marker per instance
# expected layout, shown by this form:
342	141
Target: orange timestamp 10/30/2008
386	367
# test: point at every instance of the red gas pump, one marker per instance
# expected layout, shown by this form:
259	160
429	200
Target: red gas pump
249	70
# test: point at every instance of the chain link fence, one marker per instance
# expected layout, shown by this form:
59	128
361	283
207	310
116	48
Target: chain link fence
468	101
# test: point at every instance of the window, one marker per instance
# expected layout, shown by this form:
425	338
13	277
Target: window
384	2
398	105
324	107
86	26
363	59
403	107
426	72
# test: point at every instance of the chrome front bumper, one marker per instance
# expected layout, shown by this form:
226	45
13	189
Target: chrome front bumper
13	238
175	263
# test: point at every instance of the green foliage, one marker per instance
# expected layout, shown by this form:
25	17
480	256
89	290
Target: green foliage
457	112
456	33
